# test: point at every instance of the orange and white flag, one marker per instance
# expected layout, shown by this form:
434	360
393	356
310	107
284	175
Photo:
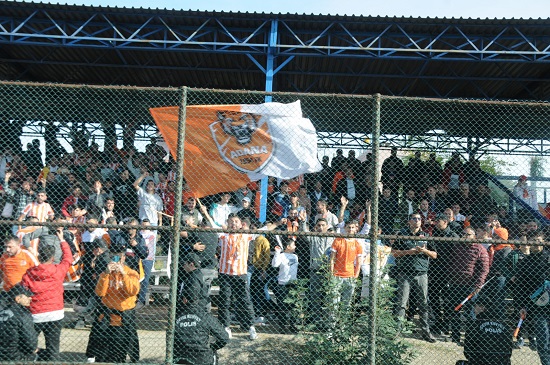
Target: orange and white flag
228	146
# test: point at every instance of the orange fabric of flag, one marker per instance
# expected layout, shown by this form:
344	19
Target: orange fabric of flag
228	146
202	161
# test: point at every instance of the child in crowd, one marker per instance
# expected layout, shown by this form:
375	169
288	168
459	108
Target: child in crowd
287	262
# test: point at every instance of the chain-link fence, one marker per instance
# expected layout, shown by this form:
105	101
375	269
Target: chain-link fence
260	251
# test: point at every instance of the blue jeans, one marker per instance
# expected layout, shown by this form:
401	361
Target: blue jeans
541	328
147	267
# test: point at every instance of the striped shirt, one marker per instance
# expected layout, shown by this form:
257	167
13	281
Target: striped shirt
40	211
234	253
77	231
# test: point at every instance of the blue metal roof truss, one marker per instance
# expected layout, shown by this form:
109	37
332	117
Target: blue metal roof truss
215	33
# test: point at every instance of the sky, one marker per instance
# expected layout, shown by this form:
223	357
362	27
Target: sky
415	8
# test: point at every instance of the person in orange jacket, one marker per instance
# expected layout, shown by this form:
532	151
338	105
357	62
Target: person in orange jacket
114	333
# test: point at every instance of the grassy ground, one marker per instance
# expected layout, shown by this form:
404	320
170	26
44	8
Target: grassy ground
152	322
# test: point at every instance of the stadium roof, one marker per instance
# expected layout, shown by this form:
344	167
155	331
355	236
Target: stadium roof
506	59
427	57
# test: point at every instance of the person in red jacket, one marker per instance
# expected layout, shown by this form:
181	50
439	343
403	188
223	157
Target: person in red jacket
73	199
45	281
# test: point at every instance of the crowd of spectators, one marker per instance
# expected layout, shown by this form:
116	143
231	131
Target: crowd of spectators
423	198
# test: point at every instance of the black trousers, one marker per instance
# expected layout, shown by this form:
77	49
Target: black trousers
111	343
52	334
234	287
437	289
455	294
284	309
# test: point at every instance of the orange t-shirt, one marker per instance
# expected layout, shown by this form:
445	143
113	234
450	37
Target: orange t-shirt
346	253
13	268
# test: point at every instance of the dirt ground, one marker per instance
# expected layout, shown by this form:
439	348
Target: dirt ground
152	322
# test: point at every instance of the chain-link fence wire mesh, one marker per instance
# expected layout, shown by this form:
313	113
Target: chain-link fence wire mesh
299	290
81	150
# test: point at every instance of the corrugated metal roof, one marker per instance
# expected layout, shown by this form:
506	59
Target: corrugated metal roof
348	73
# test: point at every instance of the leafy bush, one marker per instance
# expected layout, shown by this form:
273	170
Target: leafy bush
342	337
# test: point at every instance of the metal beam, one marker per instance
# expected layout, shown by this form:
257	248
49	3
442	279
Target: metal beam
436	142
207	32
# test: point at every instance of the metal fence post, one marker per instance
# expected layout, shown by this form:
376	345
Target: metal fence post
373	289
170	332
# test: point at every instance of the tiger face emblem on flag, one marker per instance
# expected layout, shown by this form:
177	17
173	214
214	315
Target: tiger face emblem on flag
243	140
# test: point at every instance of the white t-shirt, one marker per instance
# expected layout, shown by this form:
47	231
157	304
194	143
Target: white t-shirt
383	253
149	206
88	236
332	219
220	212
288	266
150	238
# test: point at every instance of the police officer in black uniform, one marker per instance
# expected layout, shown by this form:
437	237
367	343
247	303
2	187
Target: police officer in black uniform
18	339
195	327
488	340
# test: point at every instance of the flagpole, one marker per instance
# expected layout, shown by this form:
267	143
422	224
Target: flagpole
269	73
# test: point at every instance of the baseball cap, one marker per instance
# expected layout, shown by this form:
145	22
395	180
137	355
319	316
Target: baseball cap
442	217
523	178
246	199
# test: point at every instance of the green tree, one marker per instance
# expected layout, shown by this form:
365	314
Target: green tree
536	166
344	339
495	166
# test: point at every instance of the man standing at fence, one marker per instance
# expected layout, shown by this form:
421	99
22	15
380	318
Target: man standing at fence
439	270
14	262
318	246
532	286
233	254
47	307
18	339
195	328
345	263
467	268
412	259
114	333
